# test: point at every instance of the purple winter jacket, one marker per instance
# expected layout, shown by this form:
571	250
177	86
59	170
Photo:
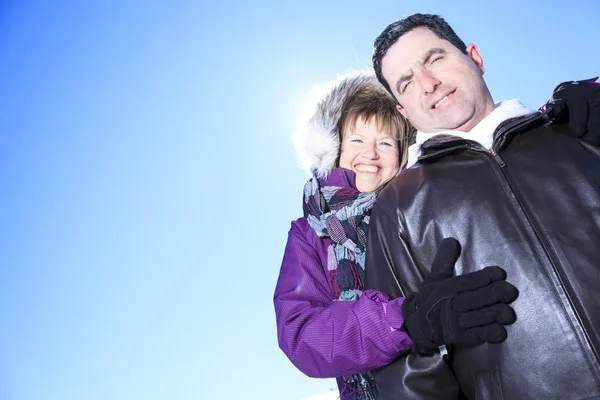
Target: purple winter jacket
323	337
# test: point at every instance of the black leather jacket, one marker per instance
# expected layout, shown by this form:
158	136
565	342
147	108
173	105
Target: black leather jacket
530	205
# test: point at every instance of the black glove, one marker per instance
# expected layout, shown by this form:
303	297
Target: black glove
469	309
578	102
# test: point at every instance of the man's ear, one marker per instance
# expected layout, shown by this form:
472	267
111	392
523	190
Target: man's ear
474	54
401	110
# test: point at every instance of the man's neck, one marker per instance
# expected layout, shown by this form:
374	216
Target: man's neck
476	118
482	132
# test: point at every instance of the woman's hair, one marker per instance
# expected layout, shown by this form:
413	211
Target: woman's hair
369	102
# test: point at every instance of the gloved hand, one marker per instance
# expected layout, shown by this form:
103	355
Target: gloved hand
469	309
577	102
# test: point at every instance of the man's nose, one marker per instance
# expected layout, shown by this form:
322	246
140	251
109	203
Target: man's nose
429	83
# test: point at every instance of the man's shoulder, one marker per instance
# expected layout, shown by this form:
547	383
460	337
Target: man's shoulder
521	123
401	187
404	180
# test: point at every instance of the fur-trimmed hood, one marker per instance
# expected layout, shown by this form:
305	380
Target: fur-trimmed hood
316	136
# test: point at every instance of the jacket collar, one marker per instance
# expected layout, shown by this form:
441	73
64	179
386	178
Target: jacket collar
445	144
482	133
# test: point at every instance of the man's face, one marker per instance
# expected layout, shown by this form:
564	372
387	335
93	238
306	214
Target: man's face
439	87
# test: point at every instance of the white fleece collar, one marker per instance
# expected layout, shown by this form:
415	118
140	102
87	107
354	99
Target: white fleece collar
482	133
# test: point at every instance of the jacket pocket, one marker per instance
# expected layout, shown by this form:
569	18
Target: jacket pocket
488	385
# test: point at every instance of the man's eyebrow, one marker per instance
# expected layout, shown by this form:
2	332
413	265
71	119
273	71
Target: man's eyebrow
426	59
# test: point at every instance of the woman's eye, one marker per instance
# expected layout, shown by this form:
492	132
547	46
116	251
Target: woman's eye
355	141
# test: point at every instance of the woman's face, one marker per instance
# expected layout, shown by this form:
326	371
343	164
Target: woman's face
371	154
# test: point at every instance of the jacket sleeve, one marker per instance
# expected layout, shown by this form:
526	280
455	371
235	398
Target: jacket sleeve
390	267
325	338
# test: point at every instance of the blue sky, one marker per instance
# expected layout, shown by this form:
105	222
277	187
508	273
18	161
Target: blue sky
149	179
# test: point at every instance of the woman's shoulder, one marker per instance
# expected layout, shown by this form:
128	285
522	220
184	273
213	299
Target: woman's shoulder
301	229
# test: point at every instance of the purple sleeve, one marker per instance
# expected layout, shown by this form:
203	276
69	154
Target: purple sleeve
325	338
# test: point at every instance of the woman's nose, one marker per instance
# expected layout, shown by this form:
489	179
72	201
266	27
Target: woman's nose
370	152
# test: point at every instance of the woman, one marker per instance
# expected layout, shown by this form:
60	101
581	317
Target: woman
354	143
324	337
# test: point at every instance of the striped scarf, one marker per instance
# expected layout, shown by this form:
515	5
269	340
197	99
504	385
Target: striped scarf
342	214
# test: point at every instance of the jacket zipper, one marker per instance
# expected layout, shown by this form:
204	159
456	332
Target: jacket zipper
541	239
497	158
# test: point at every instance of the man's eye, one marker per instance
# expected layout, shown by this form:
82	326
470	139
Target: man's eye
405	86
436	59
355	141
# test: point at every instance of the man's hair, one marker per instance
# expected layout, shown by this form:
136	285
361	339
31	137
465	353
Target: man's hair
395	30
368	102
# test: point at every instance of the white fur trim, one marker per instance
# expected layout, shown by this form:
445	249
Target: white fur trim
316	136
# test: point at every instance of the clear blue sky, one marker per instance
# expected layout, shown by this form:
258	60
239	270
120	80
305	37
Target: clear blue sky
148	177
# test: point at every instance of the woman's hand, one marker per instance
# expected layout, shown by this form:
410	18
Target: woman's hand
469	309
577	102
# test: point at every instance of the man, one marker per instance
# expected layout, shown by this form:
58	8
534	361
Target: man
515	192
